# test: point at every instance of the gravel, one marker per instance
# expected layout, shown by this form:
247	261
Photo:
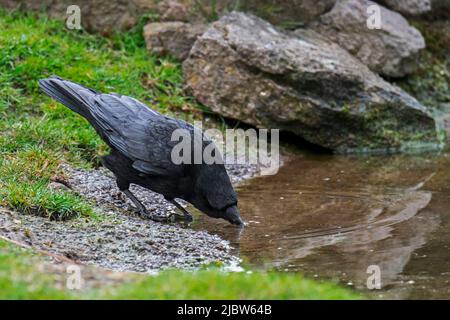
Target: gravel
120	239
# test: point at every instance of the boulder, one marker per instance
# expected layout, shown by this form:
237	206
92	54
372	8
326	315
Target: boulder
287	13
171	10
104	16
174	38
244	68
408	7
391	50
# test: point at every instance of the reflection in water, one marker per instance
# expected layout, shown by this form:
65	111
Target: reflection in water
332	217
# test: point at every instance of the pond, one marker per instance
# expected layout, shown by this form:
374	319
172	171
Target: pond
331	217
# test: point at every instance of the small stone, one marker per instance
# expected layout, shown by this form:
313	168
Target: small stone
171	10
57	186
174	38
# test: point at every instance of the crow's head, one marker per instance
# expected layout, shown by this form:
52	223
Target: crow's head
214	194
232	215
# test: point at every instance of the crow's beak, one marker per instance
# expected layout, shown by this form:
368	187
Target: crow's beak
233	216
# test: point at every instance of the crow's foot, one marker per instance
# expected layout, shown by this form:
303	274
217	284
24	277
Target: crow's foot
173	217
186	215
178	217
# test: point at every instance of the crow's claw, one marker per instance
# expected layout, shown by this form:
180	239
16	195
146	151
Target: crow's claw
144	213
179	217
159	218
173	217
187	217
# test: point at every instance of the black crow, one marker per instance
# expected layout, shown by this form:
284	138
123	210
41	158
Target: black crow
141	145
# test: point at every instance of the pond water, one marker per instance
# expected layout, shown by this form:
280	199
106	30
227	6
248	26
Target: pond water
331	217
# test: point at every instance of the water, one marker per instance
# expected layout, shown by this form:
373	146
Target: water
331	217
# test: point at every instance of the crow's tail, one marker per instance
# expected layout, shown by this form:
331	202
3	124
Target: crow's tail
72	95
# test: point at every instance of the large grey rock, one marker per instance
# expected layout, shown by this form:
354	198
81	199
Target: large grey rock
103	16
287	13
174	38
408	7
391	50
246	69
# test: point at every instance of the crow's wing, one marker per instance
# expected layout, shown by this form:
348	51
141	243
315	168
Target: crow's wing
138	132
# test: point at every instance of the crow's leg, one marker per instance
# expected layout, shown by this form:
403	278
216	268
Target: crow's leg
142	210
140	207
124	187
186	215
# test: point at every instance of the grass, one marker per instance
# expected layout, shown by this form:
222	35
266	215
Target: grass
21	279
215	284
37	133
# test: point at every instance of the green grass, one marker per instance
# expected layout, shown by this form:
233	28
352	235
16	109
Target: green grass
20	279
37	133
214	284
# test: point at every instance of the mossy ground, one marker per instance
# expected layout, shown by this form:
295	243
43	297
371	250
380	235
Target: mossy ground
37	134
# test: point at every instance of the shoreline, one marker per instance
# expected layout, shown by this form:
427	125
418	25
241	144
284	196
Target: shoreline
120	240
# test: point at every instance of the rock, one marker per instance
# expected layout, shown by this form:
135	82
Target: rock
175	38
391	51
408	7
57	186
287	13
104	16
171	10
246	69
